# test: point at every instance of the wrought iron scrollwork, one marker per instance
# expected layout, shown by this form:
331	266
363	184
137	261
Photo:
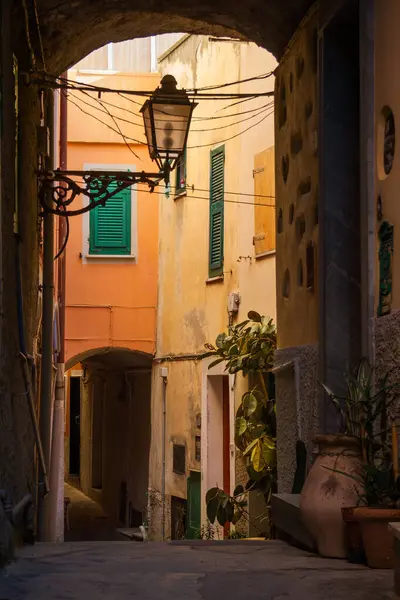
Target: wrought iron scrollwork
59	189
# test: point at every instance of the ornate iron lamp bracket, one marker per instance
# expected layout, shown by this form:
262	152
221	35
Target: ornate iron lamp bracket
59	189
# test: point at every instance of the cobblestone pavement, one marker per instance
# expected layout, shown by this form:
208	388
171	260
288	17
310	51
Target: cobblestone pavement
231	570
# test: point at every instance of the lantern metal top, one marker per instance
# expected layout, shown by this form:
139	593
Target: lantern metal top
167	115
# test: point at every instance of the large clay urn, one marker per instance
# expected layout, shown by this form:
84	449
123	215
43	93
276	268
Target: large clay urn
327	489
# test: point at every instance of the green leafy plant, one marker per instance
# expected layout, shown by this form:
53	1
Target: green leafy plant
248	348
366	413
365	409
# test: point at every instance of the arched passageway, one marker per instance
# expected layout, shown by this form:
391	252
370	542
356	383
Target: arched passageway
66	38
107	441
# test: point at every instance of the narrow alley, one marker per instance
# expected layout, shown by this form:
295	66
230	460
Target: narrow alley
199	303
186	571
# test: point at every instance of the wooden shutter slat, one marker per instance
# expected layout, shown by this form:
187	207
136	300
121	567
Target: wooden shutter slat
264	192
110	225
216	242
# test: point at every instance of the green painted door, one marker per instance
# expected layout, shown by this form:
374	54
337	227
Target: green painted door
193	505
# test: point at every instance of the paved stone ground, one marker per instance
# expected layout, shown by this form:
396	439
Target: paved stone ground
232	570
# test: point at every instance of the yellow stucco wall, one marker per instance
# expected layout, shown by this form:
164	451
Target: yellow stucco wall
387	94
192	310
296	149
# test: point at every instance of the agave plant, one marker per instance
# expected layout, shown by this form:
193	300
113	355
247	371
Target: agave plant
365	409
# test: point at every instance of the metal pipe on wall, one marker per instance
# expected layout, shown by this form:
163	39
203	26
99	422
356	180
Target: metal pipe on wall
56	500
46	379
164	375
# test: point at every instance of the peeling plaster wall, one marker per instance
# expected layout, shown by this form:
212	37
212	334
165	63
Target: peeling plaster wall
192	310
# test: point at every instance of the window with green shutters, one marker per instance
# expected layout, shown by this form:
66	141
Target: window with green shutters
110	226
216	251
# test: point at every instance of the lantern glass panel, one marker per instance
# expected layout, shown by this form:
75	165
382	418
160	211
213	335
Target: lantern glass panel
171	123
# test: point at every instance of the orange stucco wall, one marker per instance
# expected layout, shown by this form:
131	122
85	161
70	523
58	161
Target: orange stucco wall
111	301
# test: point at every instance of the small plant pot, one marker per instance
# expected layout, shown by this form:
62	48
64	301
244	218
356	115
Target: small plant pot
354	543
377	539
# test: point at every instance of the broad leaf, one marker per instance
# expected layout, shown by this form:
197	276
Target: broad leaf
221	515
212	509
239	490
241	426
212	493
250	404
254	316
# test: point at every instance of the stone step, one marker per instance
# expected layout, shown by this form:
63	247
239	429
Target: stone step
285	514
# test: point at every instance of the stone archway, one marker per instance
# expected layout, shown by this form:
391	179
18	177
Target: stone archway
73	29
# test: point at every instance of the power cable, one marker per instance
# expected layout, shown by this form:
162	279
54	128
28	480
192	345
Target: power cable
65	242
233	136
238	82
208	199
191	187
66	84
140	123
126	138
119	130
226	201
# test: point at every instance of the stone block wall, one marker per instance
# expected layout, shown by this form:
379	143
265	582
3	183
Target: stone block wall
296	122
297	407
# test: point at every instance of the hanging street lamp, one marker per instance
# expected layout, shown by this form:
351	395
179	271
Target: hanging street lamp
167	115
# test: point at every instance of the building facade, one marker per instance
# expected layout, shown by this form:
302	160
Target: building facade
216	262
111	299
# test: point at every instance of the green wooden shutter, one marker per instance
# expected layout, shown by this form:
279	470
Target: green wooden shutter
193	505
216	253
110	225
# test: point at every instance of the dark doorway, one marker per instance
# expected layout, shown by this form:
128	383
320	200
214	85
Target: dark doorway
75	426
97	442
178	518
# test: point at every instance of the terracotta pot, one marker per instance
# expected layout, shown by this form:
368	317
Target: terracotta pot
326	491
354	543
377	539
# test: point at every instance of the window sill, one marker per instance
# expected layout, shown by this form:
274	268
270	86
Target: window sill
265	254
217	279
108	256
180	194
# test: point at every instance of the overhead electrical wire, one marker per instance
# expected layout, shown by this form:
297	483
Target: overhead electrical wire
141	142
238	82
140	123
191	187
225	201
67	84
127	138
233	136
194	117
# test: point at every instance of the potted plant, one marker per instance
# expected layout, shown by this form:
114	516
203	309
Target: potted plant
380	506
334	481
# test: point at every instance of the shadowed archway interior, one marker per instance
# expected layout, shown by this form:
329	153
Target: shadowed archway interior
71	29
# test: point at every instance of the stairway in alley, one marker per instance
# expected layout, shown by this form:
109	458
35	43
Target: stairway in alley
235	570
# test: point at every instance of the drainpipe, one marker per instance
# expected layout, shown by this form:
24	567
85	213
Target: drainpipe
164	375
56	509
46	379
